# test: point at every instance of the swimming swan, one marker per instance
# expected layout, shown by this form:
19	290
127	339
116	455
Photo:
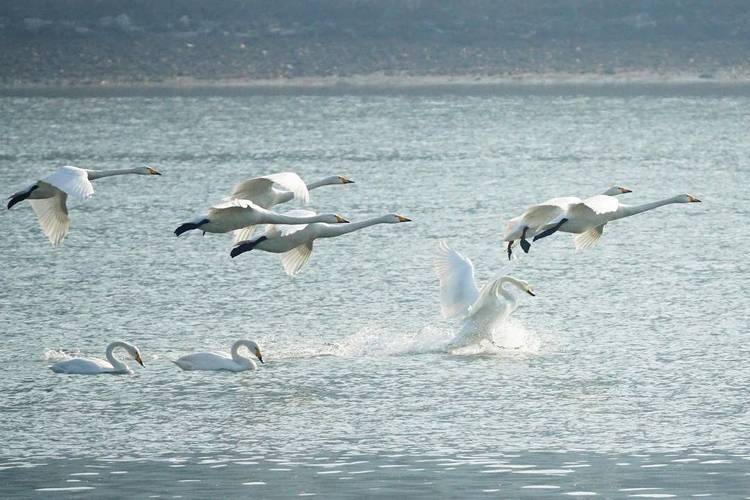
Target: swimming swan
295	243
48	196
481	310
214	361
94	366
549	213
264	191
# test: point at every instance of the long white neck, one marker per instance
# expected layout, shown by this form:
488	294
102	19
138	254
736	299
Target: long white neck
331	230
324	182
628	210
242	360
276	218
98	174
116	363
505	293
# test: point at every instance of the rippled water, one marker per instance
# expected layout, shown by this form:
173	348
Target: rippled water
631	380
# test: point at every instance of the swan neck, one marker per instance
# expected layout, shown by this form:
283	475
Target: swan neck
242	360
324	182
339	229
98	174
505	293
628	210
286	219
109	354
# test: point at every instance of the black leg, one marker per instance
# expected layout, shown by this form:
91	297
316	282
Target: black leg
510	249
551	230
525	244
19	197
189	226
246	247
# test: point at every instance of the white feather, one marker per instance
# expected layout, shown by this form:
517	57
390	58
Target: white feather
458	288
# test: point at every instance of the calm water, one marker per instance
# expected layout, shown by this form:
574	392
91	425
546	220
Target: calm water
631	379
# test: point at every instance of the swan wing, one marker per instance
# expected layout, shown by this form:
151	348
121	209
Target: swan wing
82	366
458	288
234	203
71	180
53	216
296	258
243	234
487	302
206	361
259	188
602	204
588	238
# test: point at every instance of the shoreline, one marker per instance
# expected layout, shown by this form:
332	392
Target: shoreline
392	83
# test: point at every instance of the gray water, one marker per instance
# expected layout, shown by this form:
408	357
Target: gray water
631	374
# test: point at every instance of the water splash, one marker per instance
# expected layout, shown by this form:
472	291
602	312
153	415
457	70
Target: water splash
59	354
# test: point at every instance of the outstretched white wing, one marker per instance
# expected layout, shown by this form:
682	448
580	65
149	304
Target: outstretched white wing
259	189
72	180
53	216
589	238
295	259
602	204
458	289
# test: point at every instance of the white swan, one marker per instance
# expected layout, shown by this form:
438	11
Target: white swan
264	192
94	366
48	196
549	213
236	214
214	361
481	311
295	243
587	219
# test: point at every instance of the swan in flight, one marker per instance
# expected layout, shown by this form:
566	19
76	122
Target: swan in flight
295	243
481	310
270	190
214	361
237	214
549	214
48	196
94	366
586	220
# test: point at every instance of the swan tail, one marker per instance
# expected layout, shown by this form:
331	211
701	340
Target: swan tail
19	197
189	226
245	246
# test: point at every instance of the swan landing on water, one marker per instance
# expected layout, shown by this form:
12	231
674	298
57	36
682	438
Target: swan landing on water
482	311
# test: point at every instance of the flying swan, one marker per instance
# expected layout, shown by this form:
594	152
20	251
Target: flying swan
270	190
295	243
95	366
48	196
550	213
215	361
481	310
587	219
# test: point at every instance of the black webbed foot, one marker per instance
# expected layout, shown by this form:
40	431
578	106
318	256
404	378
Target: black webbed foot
189	226
525	244
550	231
245	247
510	249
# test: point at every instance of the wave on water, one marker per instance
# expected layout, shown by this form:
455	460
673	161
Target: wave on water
59	354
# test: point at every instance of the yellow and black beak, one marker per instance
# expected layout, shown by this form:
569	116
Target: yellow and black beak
344	180
138	359
153	171
341	220
531	293
625	190
693	199
259	356
401	218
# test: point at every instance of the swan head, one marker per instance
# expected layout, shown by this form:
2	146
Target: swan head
148	171
527	288
687	198
396	218
344	180
134	352
255	350
334	219
615	190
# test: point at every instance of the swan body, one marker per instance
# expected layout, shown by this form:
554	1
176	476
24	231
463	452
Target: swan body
234	362
547	215
48	196
295	243
586	220
94	366
270	190
236	214
480	310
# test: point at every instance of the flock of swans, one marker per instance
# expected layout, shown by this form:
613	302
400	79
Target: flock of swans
293	233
